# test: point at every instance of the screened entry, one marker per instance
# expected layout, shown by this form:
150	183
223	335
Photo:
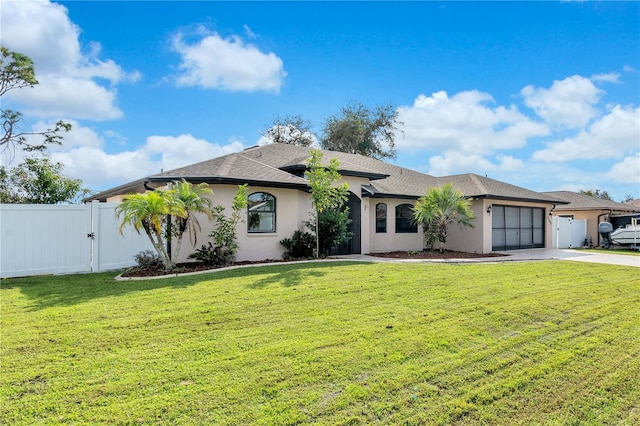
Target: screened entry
516	228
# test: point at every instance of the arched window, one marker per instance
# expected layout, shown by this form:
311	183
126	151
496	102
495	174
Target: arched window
261	211
381	217
404	223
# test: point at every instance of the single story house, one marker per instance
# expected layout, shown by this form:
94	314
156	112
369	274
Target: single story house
634	203
594	210
381	198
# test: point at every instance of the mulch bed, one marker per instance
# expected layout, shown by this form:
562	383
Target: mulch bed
182	268
428	254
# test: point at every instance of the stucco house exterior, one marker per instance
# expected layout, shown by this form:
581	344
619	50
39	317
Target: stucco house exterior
594	210
507	217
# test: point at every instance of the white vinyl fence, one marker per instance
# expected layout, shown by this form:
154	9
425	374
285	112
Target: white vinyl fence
38	239
568	233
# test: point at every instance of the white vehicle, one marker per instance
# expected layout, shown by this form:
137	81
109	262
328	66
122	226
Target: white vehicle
629	235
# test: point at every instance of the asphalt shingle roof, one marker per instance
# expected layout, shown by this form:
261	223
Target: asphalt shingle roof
240	166
473	185
577	201
270	165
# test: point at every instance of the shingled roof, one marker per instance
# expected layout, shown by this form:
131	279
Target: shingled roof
476	186
577	201
281	165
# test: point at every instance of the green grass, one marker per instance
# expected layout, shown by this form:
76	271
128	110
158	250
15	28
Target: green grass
329	343
625	250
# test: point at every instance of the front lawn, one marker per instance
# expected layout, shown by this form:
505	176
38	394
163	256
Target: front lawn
612	250
328	343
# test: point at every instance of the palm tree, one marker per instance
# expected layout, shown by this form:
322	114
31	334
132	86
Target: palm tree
149	211
194	201
440	207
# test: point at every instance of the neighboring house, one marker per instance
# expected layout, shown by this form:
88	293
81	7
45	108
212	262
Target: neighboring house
594	210
634	203
381	199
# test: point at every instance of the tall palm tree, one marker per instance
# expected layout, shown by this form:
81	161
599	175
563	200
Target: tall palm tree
149	211
440	207
193	201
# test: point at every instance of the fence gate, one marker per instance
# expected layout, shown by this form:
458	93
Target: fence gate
568	233
38	239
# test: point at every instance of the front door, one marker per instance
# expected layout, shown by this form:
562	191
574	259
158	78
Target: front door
353	246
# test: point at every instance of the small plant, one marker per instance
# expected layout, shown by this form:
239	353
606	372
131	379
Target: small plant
301	245
222	252
413	252
334	223
216	256
147	259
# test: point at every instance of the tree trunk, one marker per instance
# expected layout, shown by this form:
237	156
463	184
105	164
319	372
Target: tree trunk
317	234
442	237
158	244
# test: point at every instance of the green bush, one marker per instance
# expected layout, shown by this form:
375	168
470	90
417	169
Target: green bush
215	256
333	229
148	259
301	245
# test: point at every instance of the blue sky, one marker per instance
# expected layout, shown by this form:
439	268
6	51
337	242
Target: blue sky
543	95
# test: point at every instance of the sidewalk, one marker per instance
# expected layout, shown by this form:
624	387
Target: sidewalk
519	255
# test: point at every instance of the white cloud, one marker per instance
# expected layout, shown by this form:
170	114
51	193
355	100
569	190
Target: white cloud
52	39
627	171
67	77
99	169
79	98
228	63
84	154
464	121
174	152
612	77
509	163
78	136
612	136
248	31
455	162
569	102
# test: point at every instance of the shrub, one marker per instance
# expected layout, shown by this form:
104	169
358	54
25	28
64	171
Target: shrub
334	229
301	245
225	240
148	259
216	256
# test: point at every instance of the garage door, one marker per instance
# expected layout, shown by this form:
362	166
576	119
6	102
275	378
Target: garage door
517	227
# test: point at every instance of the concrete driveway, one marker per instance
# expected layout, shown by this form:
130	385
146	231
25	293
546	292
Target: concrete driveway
576	255
521	255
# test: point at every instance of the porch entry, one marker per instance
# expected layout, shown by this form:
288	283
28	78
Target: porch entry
353	246
515	228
